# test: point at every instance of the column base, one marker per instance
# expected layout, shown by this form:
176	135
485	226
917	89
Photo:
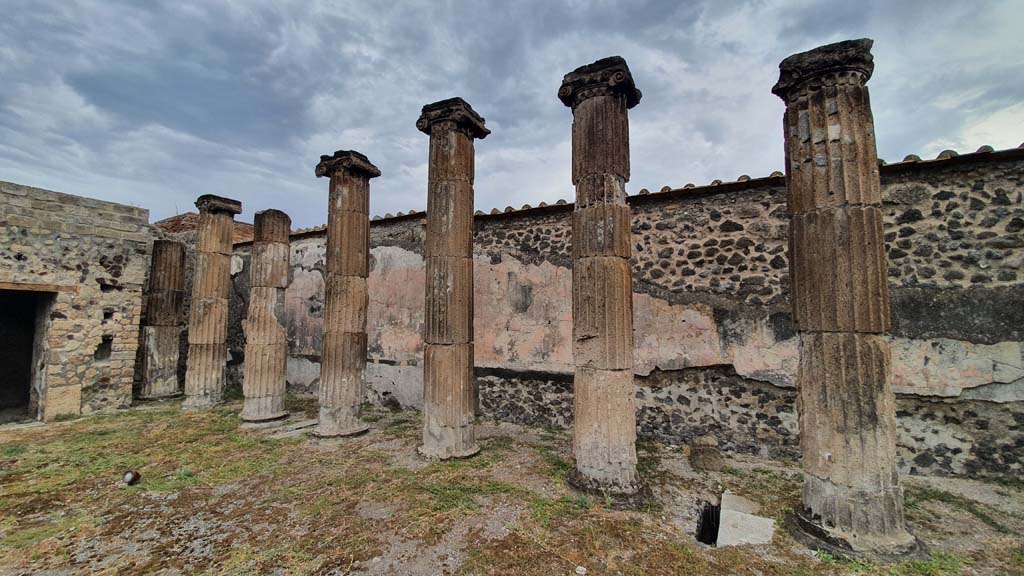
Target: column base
257	418
584	483
156	397
199	402
334	432
817	537
446	454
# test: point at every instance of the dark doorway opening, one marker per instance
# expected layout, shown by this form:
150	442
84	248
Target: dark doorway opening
22	321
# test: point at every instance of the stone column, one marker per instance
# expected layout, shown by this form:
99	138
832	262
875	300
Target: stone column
343	357
449	392
208	315
164	313
266	335
851	491
604	398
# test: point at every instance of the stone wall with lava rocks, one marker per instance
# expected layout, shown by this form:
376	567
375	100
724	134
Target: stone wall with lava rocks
715	344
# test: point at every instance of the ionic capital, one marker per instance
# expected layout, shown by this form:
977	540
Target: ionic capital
844	62
606	76
211	203
348	160
454	114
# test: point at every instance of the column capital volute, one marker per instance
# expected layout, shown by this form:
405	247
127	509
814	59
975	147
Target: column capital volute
213	204
457	113
825	65
606	76
348	160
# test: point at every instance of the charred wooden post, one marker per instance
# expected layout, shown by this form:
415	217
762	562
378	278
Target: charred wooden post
851	491
164	314
343	358
208	315
449	390
266	335
604	398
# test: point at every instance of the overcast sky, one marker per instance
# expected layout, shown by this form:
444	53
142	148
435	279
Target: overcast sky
153	103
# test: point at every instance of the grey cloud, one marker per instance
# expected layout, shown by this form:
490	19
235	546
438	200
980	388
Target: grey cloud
156	103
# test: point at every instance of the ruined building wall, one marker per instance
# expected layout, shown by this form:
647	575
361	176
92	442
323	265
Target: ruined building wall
89	259
715	346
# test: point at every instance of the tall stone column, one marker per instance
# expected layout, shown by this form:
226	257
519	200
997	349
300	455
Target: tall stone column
851	492
449	391
208	315
164	314
604	397
266	335
343	358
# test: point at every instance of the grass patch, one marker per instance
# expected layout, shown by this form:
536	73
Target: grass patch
916	495
556	467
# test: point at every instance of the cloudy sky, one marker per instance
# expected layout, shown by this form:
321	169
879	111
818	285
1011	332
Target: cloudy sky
154	103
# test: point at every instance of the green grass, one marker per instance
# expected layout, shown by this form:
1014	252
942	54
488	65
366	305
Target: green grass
915	495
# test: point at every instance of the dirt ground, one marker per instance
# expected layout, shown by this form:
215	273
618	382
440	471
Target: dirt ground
216	499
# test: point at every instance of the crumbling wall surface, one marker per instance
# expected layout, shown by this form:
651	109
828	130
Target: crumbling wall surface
92	256
715	344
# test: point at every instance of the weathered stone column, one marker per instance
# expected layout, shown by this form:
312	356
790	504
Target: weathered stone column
343	358
164	314
851	492
266	335
449	390
208	315
604	398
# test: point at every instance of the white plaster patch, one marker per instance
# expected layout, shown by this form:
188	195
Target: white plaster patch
944	367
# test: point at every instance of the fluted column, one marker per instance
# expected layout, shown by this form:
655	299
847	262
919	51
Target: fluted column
211	289
604	397
851	492
266	335
343	358
449	391
164	313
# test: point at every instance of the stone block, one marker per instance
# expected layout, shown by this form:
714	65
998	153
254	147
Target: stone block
62	401
348	243
266	323
839	269
212	277
847	421
215	233
448	315
269	265
449	219
349	193
208	321
604	432
165	307
346	302
451	155
601	230
602	304
600	137
600	190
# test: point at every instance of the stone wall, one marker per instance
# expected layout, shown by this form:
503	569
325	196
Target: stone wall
715	343
88	260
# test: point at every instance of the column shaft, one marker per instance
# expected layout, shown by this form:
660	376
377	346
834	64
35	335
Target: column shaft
266	333
211	289
449	391
164	311
343	358
851	491
604	401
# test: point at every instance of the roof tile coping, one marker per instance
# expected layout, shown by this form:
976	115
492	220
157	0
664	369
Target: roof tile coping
910	163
